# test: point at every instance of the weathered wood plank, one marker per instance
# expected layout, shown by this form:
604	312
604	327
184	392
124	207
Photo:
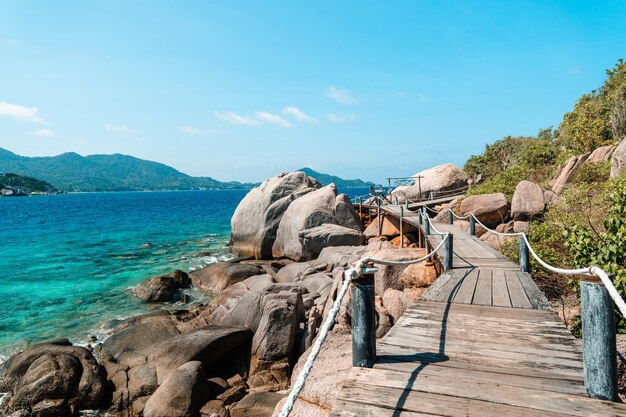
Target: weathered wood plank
537	299
461	387
500	290
482	295
465	294
516	291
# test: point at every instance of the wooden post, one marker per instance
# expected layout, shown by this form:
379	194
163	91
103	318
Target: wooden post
524	264
426	223
361	207
448	253
472	226
401	228
378	216
599	349
450	217
363	322
419	216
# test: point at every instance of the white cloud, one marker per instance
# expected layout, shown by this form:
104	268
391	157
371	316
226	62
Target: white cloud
12	42
341	96
272	118
299	115
118	129
339	118
44	133
237	119
21	113
194	131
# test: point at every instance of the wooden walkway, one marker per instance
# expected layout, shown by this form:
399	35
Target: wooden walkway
481	342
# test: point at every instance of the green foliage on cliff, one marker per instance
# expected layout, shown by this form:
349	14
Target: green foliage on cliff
73	172
599	117
26	184
507	161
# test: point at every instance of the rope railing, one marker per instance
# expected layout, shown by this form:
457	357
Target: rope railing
361	267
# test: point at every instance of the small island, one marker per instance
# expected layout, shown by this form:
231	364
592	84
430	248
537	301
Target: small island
14	185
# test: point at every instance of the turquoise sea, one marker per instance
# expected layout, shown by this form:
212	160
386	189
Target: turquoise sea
67	261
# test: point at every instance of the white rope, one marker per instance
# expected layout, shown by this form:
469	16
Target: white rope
460	217
350	274
590	270
493	231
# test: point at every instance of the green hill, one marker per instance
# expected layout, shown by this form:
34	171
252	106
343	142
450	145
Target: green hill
73	172
326	179
26	184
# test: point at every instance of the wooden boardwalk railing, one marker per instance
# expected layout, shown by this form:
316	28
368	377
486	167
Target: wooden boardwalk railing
480	342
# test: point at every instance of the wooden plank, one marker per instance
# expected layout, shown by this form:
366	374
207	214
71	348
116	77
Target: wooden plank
516	291
486	311
404	400
483	375
449	289
466	291
500	290
460	387
537	299
482	295
435	289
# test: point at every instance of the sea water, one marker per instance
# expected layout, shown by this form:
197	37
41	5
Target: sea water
67	262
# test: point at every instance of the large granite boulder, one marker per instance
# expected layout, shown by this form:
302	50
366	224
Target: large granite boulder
440	178
389	226
389	276
53	379
315	239
490	209
528	201
346	214
308	212
275	336
256	219
162	288
213	346
618	160
566	171
182	394
601	154
215	278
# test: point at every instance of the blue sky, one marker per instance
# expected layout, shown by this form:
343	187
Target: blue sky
243	90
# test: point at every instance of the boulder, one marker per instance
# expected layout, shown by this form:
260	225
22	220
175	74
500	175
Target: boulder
162	288
495	241
339	256
53	379
572	164
215	278
520	226
256	219
528	201
258	283
291	272
246	313
214	346
384	320
421	274
327	235
601	154
440	178
443	216
310	210
259	404
214	408
490	209
275	337
618	160
388	276
182	394
396	302
346	214
550	197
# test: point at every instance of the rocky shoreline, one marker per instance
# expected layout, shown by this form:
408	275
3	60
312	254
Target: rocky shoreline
236	354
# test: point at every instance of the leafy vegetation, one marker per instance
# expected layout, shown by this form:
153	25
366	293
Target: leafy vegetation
599	117
26	184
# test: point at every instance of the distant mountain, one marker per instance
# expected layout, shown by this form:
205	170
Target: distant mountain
72	172
326	179
25	184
